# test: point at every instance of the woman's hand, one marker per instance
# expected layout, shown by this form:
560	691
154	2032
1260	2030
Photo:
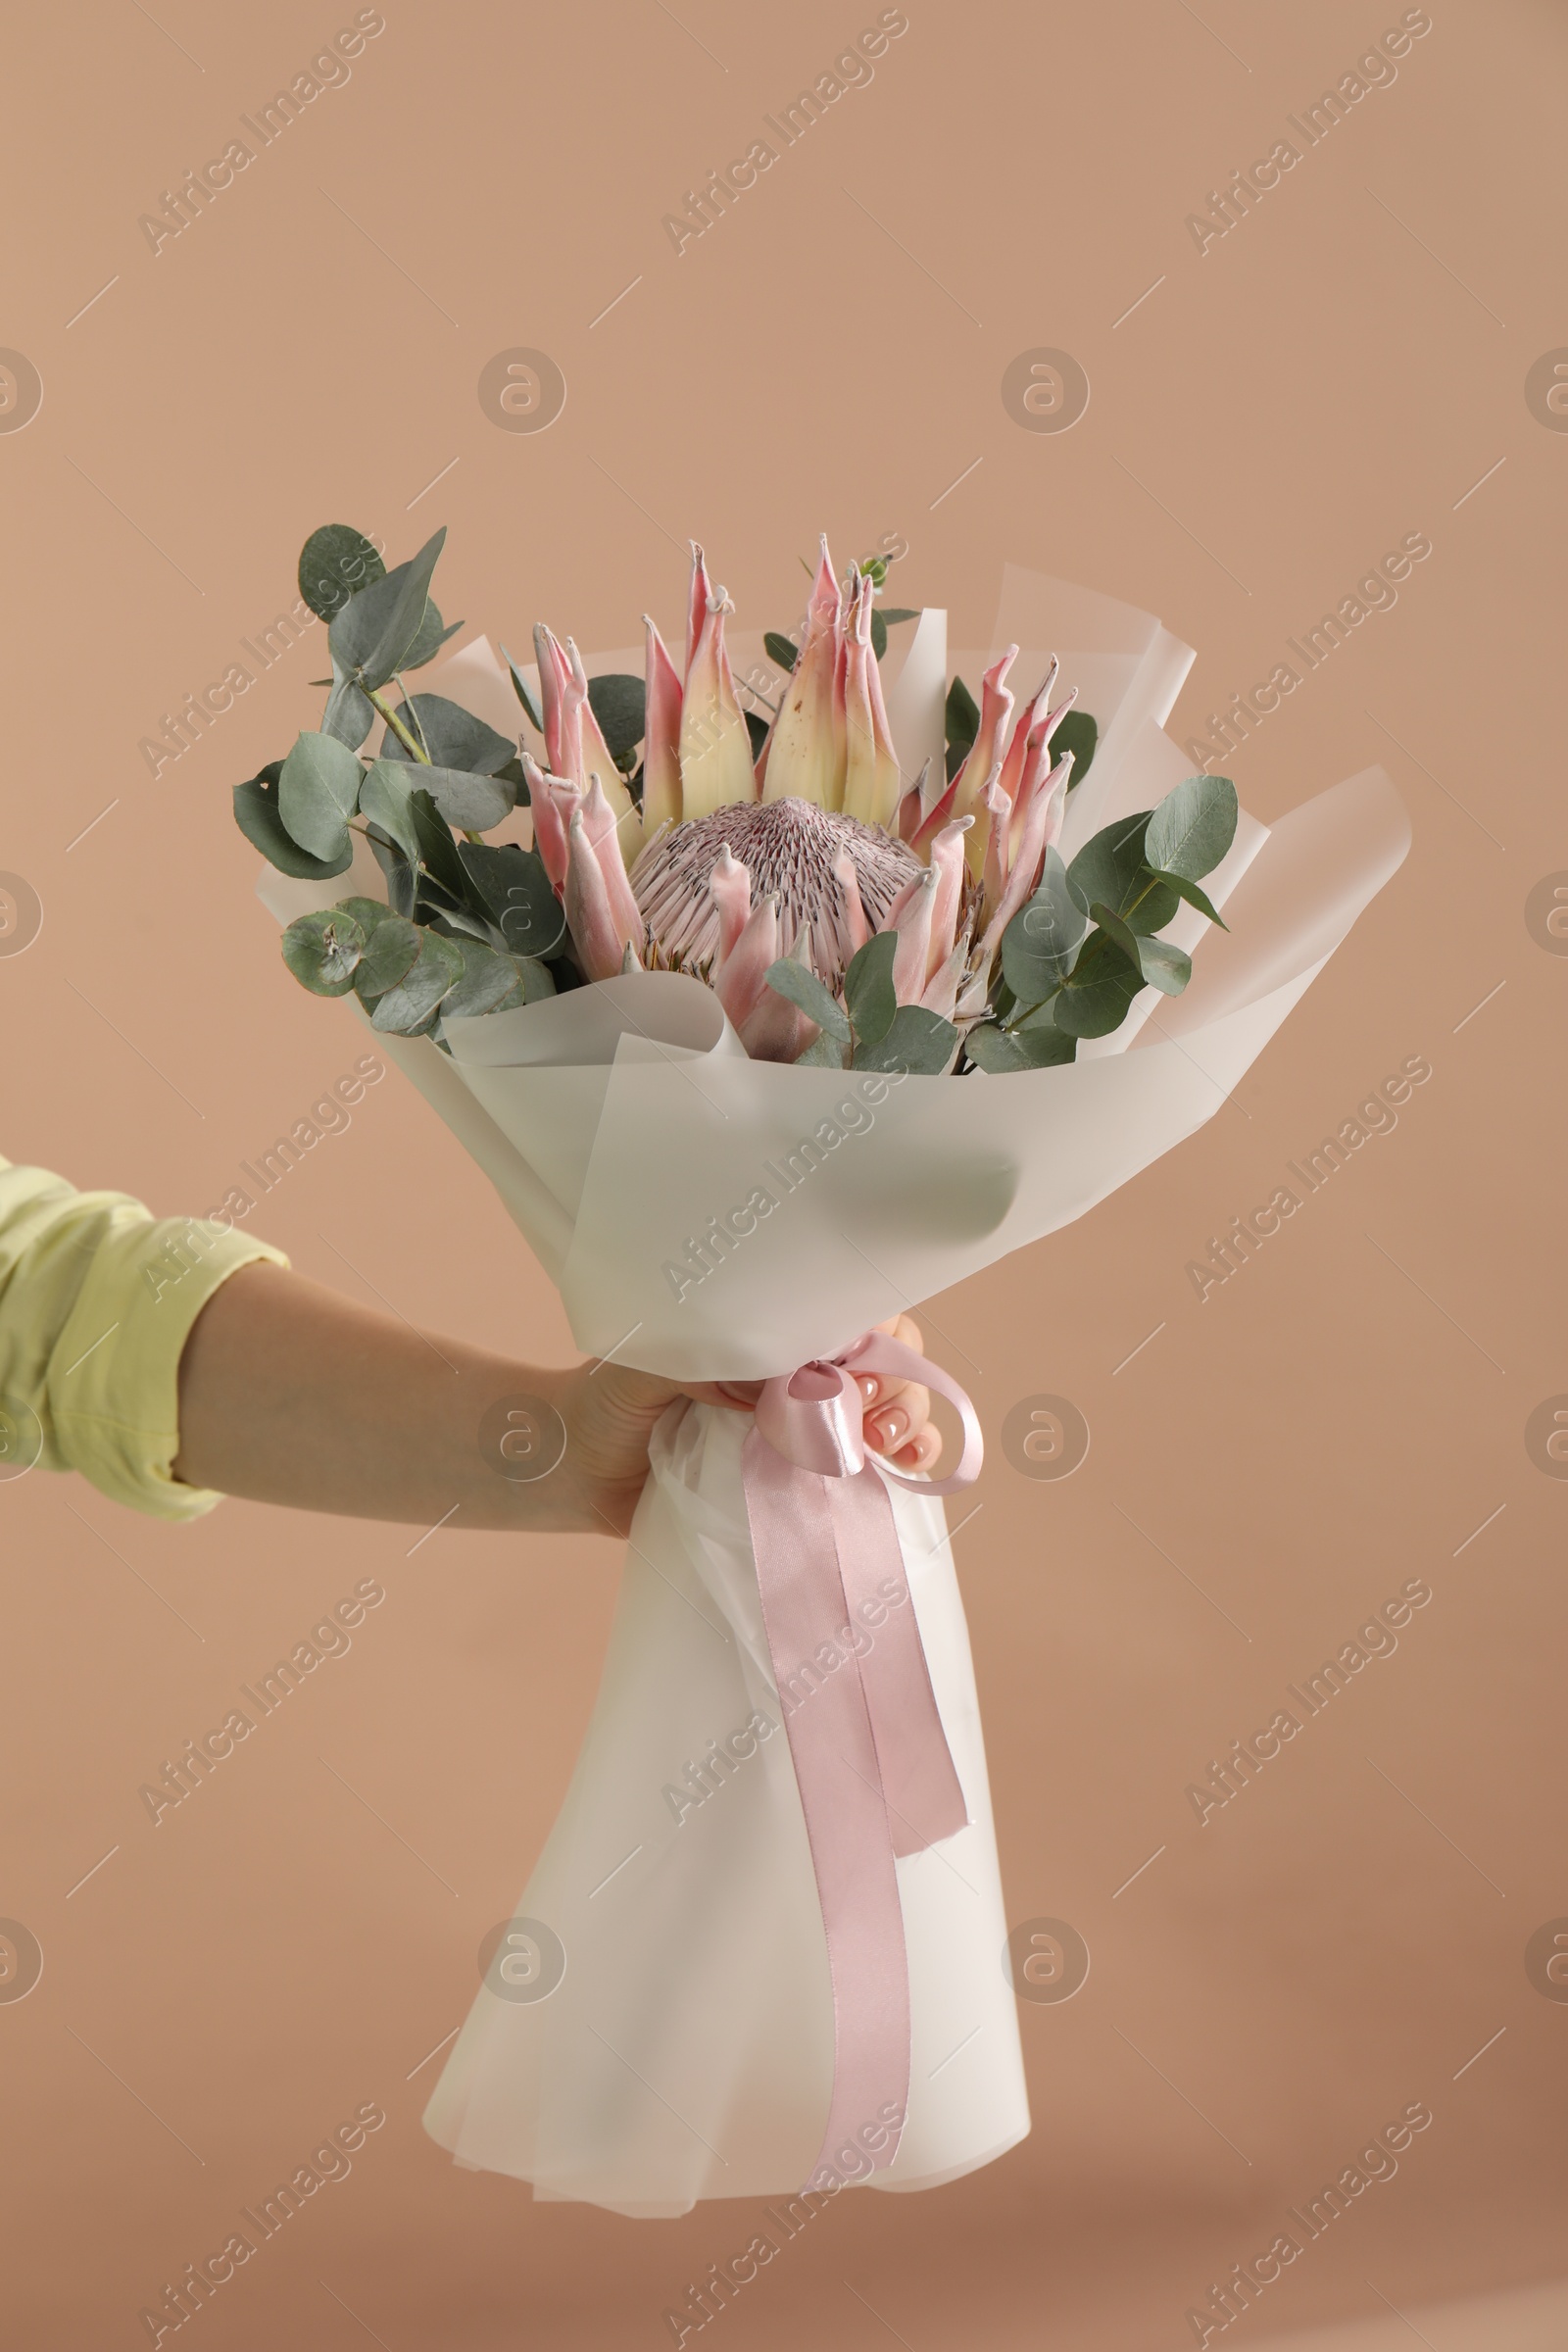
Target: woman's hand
291	1395
610	1414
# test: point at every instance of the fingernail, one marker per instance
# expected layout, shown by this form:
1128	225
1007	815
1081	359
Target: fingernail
892	1426
871	1388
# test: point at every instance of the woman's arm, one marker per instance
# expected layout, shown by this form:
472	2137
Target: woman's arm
289	1394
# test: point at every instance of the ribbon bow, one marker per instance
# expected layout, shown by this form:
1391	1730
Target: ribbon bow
870	1756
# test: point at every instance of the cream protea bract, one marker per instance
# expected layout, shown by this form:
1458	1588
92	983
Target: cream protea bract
789	851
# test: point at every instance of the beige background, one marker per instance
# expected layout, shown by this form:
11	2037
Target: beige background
1338	372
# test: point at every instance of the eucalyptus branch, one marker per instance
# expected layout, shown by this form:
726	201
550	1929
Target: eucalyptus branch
380	704
412	708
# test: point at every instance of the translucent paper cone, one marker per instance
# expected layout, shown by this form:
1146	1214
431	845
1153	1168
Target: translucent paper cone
710	1217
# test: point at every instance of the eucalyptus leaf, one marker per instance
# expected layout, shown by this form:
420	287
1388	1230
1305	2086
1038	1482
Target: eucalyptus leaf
317	792
391	952
519	687
256	813
1193	827
1040	943
620	703
336	562
348	715
802	988
471	803
1194	898
918	1041
1110	868
1097	1004
375	631
401	873
892	613
997	1051
1078	733
781	651
961	715
756	728
511	884
489	983
868	988
405	1008
452	736
538	979
879	632
384	801
430	636
322	950
1167	968
438	851
824	1052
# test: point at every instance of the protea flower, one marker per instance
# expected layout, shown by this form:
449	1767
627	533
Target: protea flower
788	850
800	855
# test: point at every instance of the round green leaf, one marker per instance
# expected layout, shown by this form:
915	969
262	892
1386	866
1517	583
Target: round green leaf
471	803
257	815
490	983
412	1004
1193	827
336	562
918	1041
317	792
516	892
452	736
391	950
321	950
997	1051
1095	1005
1039	945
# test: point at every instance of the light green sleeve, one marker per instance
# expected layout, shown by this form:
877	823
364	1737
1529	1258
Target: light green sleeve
97	1298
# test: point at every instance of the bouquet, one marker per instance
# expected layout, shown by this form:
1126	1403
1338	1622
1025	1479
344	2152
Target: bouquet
707	944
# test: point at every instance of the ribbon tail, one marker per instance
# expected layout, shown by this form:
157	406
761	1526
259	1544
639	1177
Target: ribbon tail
920	1779
834	1752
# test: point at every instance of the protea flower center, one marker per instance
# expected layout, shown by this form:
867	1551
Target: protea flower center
789	848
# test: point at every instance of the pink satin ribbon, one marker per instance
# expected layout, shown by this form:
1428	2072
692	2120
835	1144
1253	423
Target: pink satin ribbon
870	1756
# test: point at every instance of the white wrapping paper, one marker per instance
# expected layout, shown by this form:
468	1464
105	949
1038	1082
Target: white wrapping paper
687	2050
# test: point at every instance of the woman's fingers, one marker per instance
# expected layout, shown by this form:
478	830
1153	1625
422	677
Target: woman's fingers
876	1388
899	1419
921	1452
897	1412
